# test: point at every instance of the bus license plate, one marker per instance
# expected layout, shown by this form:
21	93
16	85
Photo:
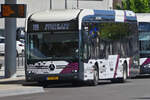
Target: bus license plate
53	78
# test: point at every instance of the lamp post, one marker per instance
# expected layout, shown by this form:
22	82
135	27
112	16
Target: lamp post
65	4
77	4
50	4
10	44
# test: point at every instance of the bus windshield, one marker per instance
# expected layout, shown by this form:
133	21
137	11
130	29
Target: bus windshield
53	45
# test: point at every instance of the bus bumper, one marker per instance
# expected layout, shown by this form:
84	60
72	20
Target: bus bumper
53	77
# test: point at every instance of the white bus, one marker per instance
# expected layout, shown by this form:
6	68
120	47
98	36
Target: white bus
144	40
81	45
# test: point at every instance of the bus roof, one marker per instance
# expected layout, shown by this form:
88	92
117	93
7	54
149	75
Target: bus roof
70	14
143	17
55	15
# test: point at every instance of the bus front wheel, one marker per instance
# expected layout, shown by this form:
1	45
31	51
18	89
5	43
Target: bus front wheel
94	82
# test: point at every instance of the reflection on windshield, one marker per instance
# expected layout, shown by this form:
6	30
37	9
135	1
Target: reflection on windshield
53	45
144	39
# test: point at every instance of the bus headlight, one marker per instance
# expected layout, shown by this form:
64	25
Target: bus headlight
147	66
29	72
74	71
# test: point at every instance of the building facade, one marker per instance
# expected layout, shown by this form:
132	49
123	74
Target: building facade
41	5
117	3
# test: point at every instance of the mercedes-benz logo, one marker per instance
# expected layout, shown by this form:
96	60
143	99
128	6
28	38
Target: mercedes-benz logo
51	67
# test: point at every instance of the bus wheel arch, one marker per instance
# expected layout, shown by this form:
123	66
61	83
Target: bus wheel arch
97	69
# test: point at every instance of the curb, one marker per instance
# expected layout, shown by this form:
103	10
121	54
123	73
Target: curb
17	86
21	91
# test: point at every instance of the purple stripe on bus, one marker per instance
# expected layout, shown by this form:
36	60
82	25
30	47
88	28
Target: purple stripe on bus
147	61
70	67
116	67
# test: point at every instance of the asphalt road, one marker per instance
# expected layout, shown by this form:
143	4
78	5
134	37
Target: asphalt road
133	89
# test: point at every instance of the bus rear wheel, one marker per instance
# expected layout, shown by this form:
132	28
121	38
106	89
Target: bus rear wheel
124	77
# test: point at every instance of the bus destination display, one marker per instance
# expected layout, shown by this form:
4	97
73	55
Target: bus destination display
45	27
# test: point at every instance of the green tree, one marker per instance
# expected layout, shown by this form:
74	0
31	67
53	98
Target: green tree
138	6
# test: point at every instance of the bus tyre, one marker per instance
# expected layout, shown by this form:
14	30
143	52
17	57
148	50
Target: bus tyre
94	82
43	83
124	77
77	83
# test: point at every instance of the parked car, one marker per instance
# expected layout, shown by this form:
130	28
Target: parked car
19	46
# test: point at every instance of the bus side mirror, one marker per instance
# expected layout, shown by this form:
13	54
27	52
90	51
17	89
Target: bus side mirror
85	59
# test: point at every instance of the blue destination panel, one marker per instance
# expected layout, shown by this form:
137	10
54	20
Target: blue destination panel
104	12
101	15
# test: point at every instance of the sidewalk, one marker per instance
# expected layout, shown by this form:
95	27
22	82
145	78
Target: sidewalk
20	72
18	85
